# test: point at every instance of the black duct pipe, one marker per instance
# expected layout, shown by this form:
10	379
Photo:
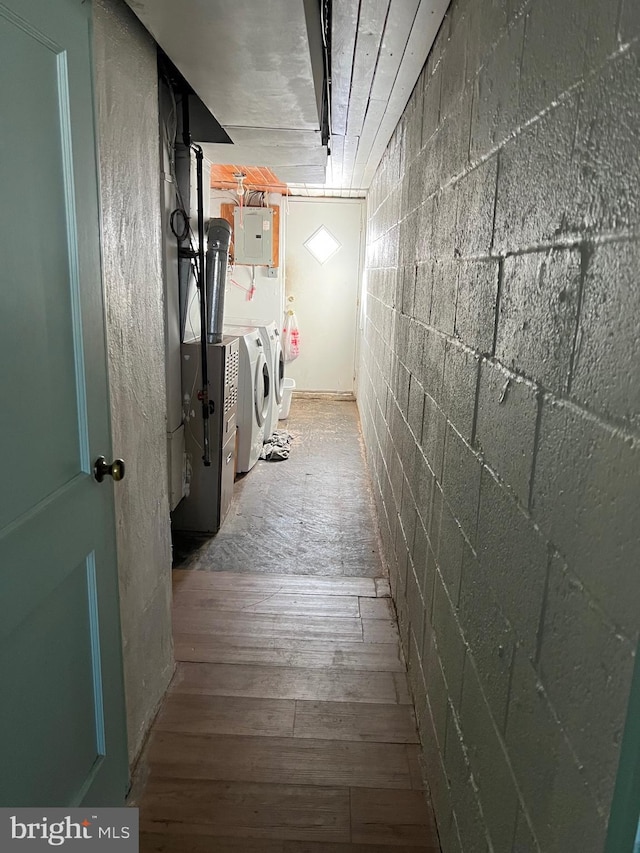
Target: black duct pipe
218	242
204	393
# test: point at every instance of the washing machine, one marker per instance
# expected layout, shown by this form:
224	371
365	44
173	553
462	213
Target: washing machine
273	352
254	393
270	334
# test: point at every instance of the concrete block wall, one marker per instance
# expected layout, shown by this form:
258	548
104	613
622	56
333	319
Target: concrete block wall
500	400
126	92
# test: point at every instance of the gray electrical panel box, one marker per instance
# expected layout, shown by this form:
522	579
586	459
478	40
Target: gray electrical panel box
253	235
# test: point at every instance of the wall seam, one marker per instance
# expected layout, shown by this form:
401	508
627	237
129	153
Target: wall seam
497	309
543	609
536	442
586	253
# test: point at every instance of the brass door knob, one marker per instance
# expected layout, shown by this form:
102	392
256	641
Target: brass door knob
101	469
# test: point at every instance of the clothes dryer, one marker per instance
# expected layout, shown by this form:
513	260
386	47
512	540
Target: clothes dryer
270	334
254	394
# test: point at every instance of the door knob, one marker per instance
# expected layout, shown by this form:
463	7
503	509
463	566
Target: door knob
101	469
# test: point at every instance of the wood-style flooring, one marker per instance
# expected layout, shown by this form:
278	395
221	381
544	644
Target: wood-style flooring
288	727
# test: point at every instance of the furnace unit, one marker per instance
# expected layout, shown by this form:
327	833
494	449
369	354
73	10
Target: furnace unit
210	488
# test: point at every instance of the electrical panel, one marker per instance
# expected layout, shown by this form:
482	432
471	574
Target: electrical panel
253	235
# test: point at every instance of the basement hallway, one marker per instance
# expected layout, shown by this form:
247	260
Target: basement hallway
288	726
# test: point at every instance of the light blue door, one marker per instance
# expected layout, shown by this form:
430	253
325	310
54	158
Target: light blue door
62	721
623	834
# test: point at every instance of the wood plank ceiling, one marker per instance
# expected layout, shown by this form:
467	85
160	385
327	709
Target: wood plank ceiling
378	50
255	178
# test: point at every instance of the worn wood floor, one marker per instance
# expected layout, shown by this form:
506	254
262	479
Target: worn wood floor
288	727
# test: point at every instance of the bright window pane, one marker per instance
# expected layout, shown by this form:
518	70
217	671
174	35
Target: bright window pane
322	245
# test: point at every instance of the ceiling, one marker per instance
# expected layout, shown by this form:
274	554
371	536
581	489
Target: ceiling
252	65
259	178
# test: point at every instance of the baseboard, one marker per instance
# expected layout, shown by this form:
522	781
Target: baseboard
336	396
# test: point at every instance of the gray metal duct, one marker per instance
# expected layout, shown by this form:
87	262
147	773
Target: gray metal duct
218	242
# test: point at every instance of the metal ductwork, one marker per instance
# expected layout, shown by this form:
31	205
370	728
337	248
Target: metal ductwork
218	242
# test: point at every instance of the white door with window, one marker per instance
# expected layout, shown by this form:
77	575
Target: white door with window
323	269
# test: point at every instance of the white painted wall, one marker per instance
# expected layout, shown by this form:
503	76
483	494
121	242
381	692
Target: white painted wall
267	302
325	297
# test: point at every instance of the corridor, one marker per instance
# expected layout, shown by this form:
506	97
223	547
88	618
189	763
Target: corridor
288	727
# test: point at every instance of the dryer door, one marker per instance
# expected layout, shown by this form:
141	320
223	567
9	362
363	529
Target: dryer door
278	380
261	389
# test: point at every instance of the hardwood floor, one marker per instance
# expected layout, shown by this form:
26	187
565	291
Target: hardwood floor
288	727
251	751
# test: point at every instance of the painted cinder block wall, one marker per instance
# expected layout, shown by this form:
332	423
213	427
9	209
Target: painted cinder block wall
126	92
500	402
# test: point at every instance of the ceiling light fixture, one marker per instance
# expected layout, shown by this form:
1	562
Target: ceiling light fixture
240	176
